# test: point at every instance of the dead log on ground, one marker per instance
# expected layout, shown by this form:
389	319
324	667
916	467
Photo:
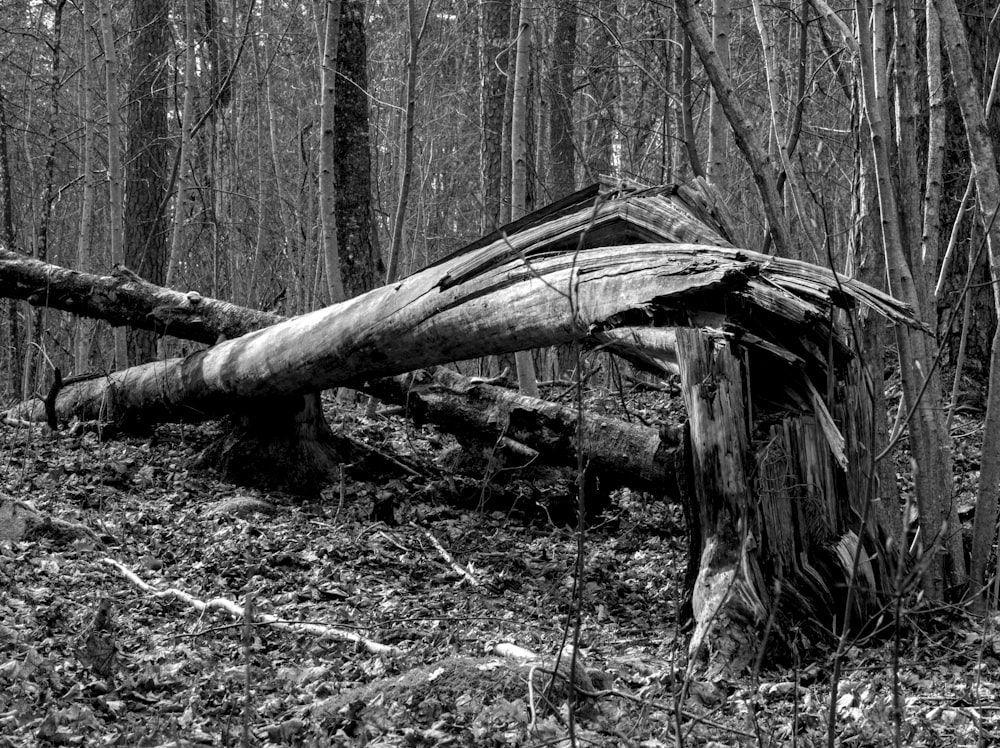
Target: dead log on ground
622	453
458	310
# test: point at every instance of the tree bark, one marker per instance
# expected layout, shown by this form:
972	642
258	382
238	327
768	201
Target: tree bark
603	68
722	21
327	154
186	123
496	299
866	262
145	238
83	334
361	265
519	125
936	121
37	322
116	203
494	22
984	166
562	149
14	360
684	115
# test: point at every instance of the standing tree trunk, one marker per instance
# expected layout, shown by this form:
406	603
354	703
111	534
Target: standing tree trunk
936	120
526	378
215	184
416	33
14	358
984	166
494	24
602	161
83	332
778	137
186	123
36	322
145	247
361	267
287	243
116	222
722	21
327	150
562	146
562	149
685	117
867	263
933	478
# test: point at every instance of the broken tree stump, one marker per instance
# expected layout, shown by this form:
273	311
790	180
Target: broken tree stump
785	521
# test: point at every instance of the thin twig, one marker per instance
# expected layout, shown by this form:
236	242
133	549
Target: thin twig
465	572
236	611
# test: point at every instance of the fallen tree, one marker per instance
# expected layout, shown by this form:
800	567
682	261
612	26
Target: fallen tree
783	515
292	432
772	315
621	454
614	297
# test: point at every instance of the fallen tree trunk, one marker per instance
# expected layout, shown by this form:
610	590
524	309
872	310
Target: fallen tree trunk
621	453
124	298
461	309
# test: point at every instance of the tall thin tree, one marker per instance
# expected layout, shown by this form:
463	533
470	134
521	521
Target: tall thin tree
116	203
82	343
415	32
360	259
186	123
519	166
145	238
36	321
562	149
14	358
718	127
494	22
327	153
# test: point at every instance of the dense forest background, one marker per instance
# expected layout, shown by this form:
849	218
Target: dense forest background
205	172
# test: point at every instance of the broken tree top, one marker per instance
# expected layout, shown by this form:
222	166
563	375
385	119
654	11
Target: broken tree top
617	269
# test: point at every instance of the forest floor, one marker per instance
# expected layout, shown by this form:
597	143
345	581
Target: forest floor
89	656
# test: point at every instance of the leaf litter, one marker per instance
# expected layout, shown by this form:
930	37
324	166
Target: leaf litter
90	657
